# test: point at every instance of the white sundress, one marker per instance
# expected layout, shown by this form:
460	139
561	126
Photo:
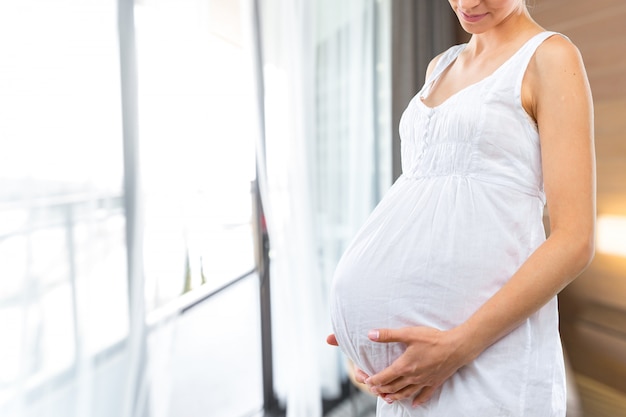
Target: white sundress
456	225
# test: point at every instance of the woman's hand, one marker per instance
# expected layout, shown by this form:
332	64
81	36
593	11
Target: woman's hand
431	357
332	340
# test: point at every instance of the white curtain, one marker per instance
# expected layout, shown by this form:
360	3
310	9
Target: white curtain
285	185
352	157
324	164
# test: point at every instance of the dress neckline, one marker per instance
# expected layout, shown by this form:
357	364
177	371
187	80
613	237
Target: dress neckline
427	88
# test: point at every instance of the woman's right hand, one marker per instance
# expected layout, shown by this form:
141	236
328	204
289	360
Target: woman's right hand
332	340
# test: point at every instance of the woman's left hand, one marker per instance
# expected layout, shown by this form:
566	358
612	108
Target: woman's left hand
430	358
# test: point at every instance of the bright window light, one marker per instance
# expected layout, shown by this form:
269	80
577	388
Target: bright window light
611	235
63	285
196	149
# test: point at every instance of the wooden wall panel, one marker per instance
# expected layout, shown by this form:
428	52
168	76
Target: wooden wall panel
611	152
599	30
594	307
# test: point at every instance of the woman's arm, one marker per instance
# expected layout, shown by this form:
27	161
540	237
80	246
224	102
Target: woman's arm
556	93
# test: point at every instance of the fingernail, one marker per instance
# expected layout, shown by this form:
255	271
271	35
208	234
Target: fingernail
368	381
373	334
388	400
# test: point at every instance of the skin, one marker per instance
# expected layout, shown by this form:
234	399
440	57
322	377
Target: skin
556	94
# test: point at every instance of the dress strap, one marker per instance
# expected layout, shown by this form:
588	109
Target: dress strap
444	61
524	56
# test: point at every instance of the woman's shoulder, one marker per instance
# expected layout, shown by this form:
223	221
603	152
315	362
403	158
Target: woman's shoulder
556	63
432	65
555	74
556	54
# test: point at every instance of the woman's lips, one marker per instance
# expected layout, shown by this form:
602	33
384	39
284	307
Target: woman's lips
472	18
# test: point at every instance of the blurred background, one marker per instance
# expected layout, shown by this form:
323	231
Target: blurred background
178	179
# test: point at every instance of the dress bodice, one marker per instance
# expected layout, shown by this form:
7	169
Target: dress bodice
480	132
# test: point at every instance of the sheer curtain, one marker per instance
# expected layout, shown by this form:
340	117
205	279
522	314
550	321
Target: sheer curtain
285	183
325	162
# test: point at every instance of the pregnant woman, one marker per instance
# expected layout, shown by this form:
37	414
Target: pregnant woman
446	298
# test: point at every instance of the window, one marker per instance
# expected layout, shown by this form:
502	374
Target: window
197	166
62	243
63	257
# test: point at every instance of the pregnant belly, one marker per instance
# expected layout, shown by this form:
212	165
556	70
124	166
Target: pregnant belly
389	289
404	285
421	283
422	260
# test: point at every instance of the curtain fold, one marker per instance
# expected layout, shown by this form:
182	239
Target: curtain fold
351	148
285	183
323	165
136	353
